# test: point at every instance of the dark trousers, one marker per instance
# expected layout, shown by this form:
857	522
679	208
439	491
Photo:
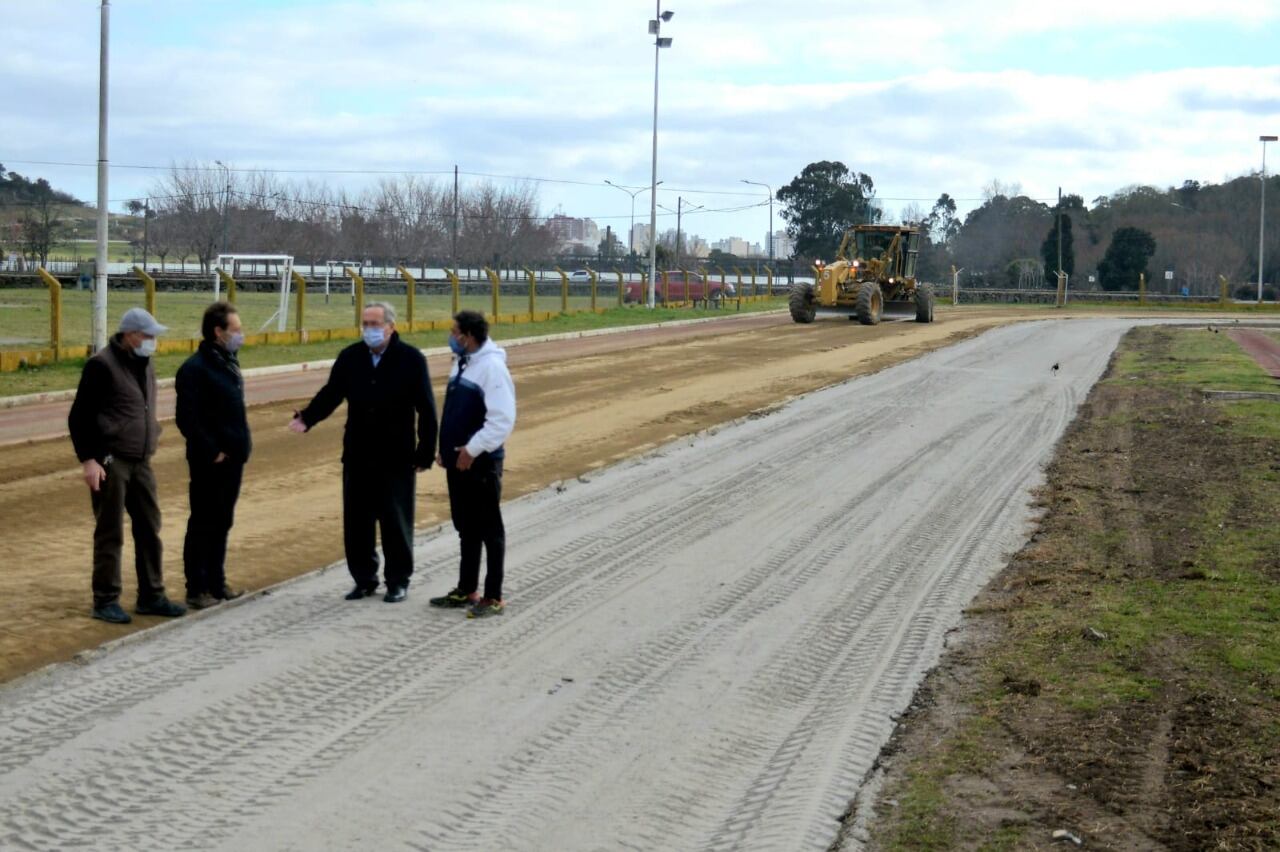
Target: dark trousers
214	490
130	487
374	495
474	496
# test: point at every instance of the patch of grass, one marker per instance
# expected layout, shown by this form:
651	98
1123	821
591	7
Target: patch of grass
66	374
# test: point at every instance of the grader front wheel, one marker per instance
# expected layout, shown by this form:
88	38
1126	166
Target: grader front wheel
870	303
924	303
801	303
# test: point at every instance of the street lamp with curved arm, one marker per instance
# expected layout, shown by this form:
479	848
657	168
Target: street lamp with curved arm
632	233
770	189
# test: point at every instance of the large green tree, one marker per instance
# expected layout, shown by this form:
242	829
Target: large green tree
824	201
1126	258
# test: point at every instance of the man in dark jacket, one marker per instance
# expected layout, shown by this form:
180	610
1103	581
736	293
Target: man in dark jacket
211	416
114	431
385	382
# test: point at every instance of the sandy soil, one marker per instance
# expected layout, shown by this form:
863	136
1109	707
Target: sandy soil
706	646
583	404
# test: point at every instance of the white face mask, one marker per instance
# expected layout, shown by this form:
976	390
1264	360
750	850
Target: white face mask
146	348
373	337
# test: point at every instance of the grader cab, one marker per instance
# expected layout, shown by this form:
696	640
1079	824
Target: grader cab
872	277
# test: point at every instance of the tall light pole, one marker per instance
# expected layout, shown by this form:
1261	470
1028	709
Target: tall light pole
655	30
226	200
631	242
100	267
1262	215
770	189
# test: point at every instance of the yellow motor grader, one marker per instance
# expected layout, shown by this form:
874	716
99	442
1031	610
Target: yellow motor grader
872	277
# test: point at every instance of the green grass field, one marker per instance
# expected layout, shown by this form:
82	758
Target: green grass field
29	317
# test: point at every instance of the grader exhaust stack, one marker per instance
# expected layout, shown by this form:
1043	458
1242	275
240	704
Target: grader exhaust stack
872	278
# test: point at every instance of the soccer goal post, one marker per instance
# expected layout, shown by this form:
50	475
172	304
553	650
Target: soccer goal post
231	263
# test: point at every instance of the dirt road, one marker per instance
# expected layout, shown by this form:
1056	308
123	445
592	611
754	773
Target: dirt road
705	645
579	409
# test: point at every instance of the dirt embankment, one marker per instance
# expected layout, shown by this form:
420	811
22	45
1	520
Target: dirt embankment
578	412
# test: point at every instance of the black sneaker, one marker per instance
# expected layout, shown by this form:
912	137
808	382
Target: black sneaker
486	607
454	600
112	612
160	606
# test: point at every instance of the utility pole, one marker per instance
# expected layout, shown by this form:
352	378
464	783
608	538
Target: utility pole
100	267
1059	236
1262	213
146	222
454	249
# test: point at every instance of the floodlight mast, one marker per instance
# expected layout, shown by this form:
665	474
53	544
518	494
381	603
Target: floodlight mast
655	29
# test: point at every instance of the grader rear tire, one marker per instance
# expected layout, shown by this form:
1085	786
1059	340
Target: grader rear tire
870	303
801	303
924	303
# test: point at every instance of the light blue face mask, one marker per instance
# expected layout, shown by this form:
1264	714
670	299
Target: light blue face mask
146	348
373	337
235	341
456	346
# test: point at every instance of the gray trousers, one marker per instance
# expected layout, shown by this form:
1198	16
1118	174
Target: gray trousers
130	487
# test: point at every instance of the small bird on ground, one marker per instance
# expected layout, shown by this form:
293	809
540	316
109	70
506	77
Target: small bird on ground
1054	368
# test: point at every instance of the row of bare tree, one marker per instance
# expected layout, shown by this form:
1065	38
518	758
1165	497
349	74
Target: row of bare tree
198	211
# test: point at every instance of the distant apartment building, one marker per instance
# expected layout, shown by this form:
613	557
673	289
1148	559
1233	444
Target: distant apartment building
640	238
783	245
736	246
569	231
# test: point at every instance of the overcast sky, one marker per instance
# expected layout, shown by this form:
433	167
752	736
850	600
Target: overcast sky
925	97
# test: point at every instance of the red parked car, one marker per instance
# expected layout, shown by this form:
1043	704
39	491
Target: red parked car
678	290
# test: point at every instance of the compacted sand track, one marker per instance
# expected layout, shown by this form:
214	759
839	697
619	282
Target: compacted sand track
704	649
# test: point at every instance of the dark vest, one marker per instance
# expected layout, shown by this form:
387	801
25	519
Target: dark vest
127	420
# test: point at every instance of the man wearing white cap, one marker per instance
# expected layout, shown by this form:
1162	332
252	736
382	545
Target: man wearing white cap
115	431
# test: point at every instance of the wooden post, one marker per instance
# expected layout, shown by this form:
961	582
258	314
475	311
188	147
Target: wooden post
495	295
533	292
357	294
1142	288
1222	290
457	286
410	290
298	322
230	284
148	287
55	310
622	287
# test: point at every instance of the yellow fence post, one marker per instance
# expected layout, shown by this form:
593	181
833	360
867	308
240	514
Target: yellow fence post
230	284
564	294
768	282
55	310
1142	288
621	287
644	289
755	291
497	299
737	270
457	287
1222	290
410	288
298	322
533	292
357	293
666	287
591	273
148	287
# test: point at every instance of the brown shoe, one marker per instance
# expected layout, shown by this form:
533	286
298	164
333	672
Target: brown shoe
228	593
204	600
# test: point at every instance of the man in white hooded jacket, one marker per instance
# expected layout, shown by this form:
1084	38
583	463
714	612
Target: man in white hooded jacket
479	414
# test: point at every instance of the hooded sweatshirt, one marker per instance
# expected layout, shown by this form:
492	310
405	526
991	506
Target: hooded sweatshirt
479	407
